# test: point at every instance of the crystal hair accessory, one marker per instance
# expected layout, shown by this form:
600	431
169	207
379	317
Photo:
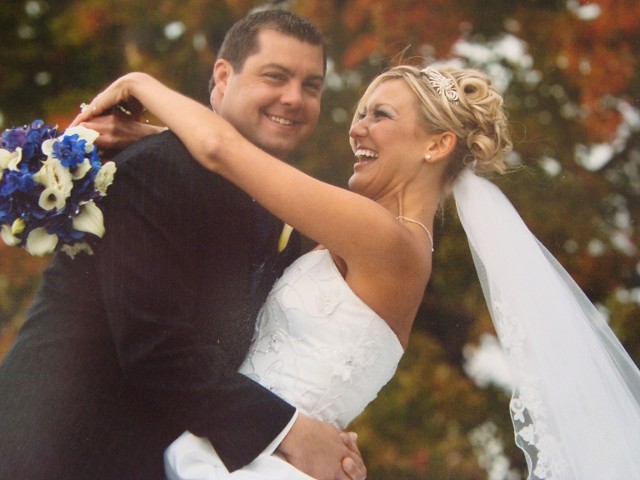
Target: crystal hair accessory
443	85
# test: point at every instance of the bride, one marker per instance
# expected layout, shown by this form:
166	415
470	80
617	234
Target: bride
336	324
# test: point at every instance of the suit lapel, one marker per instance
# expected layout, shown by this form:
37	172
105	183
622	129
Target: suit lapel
265	238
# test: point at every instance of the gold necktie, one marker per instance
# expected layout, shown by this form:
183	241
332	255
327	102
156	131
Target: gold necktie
284	237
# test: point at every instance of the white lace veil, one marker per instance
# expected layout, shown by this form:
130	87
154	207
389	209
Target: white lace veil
576	400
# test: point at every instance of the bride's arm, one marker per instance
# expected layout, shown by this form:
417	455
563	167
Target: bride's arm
357	229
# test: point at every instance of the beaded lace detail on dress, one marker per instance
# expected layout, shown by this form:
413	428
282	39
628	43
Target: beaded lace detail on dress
319	346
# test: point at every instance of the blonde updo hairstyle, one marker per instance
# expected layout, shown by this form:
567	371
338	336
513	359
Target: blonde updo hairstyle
476	117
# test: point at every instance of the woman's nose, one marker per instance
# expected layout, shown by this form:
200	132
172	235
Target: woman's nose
358	129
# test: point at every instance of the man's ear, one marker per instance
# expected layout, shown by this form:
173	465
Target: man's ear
222	71
440	146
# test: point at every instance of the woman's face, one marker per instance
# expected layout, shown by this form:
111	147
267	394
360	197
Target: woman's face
388	141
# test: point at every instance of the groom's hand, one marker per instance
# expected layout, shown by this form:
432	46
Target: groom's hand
321	451
118	131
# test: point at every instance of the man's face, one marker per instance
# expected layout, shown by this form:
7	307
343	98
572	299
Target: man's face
274	101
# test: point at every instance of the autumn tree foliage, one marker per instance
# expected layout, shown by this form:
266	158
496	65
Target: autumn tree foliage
570	75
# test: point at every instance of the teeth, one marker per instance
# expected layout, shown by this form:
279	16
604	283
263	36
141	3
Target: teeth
362	152
280	120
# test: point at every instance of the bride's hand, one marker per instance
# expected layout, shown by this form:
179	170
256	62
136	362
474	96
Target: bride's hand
355	469
118	95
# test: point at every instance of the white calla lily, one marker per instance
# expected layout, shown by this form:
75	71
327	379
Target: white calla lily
5	157
90	219
8	237
52	198
81	170
39	242
53	174
44	176
47	146
40	176
18	226
10	160
104	178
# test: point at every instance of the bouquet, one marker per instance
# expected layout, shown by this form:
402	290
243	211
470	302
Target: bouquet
50	186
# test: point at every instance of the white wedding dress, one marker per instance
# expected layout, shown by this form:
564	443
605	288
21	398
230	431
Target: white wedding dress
318	346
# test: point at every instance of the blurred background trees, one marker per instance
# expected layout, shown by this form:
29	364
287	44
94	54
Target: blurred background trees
570	75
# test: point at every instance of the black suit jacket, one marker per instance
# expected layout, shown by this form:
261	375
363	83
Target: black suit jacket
125	349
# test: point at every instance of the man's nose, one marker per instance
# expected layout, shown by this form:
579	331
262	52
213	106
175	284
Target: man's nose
292	95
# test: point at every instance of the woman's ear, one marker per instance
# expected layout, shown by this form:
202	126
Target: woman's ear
440	146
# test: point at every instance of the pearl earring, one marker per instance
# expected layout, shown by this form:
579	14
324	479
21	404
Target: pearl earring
427	157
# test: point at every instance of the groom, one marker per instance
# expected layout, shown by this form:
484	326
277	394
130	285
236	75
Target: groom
125	349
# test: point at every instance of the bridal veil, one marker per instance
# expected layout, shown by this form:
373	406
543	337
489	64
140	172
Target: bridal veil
576	398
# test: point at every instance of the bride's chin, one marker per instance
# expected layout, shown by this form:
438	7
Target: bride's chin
353	184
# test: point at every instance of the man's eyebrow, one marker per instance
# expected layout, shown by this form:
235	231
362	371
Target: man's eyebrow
277	66
288	71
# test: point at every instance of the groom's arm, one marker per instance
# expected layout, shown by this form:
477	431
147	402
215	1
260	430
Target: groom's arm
148	263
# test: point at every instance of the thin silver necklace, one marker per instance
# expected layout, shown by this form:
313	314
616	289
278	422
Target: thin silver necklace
410	220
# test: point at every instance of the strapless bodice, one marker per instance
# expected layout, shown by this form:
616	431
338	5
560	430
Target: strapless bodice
318	345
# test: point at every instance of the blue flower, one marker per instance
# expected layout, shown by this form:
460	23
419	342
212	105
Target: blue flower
70	151
15	181
13	138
